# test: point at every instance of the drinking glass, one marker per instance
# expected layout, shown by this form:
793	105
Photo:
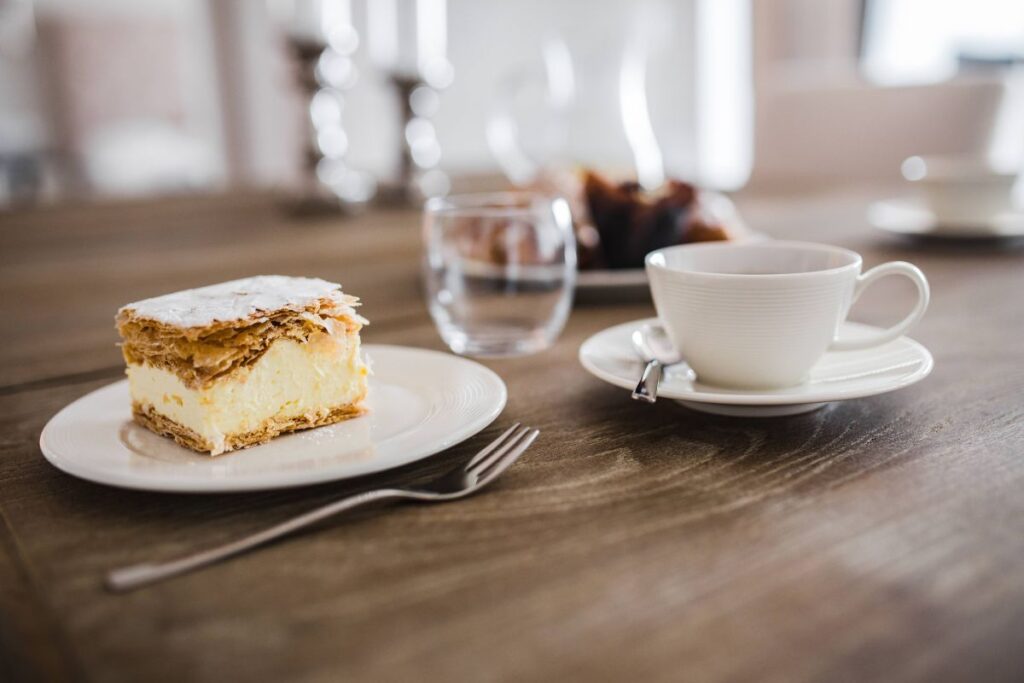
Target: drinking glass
499	271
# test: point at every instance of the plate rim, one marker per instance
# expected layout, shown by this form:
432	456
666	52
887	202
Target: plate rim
753	397
251	483
605	277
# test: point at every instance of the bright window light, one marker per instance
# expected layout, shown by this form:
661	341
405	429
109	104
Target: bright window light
923	41
724	97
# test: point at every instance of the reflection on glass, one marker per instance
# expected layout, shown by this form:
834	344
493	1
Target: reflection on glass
499	271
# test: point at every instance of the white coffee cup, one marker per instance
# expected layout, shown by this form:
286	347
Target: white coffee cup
760	315
962	192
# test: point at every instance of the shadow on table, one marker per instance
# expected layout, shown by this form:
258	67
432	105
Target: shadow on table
666	430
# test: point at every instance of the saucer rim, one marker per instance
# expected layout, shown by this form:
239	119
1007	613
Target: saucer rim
769	397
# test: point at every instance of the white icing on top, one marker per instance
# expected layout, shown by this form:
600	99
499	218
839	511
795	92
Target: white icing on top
240	300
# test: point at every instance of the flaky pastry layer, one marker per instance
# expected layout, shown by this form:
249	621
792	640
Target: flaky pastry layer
200	356
151	419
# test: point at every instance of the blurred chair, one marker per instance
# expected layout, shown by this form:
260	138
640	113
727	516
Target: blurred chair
818	120
23	143
118	102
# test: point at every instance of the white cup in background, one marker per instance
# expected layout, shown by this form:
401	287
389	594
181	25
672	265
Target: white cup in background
962	192
760	315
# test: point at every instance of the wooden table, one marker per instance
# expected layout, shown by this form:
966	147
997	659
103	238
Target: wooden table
875	539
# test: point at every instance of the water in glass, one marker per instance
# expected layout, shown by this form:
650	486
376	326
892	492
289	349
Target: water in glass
499	271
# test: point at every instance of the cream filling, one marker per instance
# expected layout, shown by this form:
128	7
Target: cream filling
292	379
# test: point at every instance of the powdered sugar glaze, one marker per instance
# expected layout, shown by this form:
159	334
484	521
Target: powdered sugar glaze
240	300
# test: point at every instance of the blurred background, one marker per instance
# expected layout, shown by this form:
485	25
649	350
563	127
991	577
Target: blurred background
351	101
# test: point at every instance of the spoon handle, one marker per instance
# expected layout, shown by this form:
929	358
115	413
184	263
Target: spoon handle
647	388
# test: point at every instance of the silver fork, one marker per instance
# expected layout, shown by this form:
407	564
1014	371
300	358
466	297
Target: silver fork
459	482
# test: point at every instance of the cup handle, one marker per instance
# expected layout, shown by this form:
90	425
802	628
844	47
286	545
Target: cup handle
905	269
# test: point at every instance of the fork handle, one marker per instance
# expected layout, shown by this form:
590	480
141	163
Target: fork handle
138	575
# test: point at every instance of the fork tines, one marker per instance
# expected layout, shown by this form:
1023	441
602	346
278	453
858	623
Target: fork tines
503	450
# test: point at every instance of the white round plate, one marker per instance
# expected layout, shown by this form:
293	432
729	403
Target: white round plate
838	376
420	402
632	279
913	218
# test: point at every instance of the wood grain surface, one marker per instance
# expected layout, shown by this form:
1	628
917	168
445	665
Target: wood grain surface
876	539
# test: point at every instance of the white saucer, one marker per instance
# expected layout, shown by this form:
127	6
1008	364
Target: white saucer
420	402
914	218
838	376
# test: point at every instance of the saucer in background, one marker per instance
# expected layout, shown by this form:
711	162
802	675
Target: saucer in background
913	218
